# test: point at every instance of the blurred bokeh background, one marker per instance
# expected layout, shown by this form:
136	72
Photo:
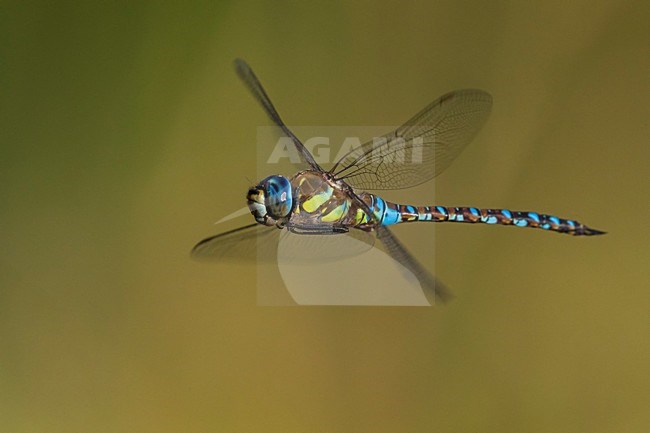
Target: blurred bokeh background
124	133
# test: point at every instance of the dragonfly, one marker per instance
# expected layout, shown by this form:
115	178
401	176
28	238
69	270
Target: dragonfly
336	202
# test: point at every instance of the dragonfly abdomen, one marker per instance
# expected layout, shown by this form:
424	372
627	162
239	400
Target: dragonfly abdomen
396	213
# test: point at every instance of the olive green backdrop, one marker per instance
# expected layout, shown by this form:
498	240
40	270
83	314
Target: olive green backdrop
124	133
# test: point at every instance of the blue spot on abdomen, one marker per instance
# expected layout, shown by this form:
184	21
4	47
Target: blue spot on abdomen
520	222
489	219
391	216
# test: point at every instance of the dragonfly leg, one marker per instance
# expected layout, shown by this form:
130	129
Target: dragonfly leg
316	229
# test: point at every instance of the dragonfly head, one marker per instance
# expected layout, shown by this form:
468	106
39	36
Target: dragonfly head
271	200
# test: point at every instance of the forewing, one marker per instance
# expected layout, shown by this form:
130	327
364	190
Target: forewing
250	79
420	149
256	242
246	243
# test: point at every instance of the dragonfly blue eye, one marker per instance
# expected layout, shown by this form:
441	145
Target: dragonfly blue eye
278	196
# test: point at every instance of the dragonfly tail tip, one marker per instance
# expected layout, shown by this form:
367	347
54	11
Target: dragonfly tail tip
594	232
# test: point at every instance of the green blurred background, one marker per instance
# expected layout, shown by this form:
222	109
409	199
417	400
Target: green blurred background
125	133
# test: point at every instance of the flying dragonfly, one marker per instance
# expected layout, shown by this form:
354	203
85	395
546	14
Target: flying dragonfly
325	203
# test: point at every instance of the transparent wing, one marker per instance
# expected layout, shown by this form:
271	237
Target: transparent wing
241	244
372	278
398	252
307	247
256	242
420	149
433	288
248	77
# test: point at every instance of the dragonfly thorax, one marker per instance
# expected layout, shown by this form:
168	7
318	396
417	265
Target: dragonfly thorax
271	201
321	201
